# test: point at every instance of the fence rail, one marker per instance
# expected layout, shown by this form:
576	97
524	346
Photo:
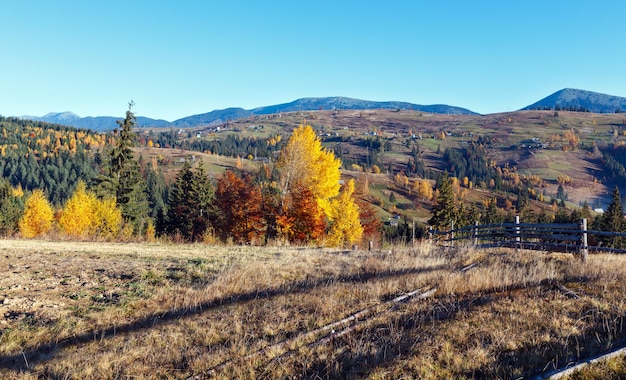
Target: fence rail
570	237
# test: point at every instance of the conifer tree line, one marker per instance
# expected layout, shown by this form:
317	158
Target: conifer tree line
450	212
299	199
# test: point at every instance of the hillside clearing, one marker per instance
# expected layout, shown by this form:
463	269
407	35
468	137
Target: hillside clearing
104	310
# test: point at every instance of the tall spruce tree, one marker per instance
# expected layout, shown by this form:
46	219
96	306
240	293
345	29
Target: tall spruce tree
204	191
11	208
180	206
190	204
613	220
122	176
445	211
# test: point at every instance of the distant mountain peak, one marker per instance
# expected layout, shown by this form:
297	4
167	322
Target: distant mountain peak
59	116
572	99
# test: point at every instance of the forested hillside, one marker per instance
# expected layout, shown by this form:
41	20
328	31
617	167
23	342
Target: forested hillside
38	155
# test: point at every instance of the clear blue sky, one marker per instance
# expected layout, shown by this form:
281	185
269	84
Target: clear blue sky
179	58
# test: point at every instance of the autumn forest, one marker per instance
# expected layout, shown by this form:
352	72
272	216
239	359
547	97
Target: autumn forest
73	183
91	186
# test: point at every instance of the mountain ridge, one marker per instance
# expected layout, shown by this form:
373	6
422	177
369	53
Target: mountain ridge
95	123
312	104
566	99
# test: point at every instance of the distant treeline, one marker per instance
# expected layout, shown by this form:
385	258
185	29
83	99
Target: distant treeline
573	108
227	145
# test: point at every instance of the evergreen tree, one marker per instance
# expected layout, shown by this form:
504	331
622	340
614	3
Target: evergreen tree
180	206
491	214
190	202
11	208
204	194
585	212
157	192
613	219
122	176
445	211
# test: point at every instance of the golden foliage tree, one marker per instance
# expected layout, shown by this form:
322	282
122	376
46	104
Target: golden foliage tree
38	215
77	218
108	218
86	215
425	189
305	164
345	225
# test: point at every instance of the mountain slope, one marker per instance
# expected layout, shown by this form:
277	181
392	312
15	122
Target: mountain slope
217	116
580	100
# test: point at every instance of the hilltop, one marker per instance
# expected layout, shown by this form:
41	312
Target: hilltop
580	100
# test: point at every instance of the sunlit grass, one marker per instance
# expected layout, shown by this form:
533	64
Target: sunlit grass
164	310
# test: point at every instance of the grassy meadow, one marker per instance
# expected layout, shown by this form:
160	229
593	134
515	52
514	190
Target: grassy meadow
81	310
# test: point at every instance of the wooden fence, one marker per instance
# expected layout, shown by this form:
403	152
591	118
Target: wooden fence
571	237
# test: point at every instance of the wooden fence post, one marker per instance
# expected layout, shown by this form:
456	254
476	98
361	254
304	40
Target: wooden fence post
518	239
585	247
452	234
475	232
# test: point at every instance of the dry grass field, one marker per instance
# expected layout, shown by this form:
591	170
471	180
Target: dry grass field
81	310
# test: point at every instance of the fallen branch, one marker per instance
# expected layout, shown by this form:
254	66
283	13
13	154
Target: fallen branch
563	372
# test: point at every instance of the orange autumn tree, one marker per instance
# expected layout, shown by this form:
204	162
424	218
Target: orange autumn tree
301	219
38	216
239	202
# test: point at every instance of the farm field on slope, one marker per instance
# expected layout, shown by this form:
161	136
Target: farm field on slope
93	310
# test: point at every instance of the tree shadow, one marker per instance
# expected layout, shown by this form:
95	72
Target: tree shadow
26	360
529	361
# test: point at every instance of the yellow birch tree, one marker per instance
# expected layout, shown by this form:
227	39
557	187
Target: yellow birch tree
38	215
86	215
108	218
304	163
78	216
346	225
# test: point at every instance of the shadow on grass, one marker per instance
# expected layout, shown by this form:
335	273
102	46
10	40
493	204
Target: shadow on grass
525	361
26	360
